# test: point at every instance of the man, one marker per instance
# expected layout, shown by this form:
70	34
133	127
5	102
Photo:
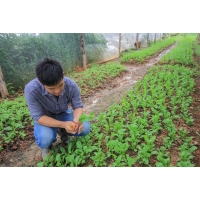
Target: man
48	97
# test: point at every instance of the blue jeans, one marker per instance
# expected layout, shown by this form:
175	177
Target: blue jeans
45	135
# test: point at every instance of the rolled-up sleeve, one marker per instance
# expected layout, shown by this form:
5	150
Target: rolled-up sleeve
35	108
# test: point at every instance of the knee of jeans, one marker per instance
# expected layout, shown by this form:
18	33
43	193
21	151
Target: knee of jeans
69	111
86	128
45	143
45	137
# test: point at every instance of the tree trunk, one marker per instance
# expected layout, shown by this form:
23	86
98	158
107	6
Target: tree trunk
3	88
120	37
198	38
137	36
83	50
147	39
155	38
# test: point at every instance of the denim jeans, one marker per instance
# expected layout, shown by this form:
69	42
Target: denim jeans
45	136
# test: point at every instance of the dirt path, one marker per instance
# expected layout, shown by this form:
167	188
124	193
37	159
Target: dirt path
102	99
98	102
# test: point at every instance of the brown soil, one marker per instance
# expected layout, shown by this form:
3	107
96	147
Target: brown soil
25	153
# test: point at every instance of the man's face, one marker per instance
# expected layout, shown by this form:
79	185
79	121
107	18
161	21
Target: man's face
56	89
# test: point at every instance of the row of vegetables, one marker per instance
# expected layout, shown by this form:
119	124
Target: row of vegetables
141	130
15	115
127	134
143	54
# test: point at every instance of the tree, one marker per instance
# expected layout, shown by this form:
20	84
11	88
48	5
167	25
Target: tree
3	88
83	50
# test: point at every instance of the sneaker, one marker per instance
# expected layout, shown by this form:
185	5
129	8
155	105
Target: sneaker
45	151
64	135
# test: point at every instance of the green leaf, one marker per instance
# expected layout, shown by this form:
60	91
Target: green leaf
40	164
58	158
159	164
78	145
63	150
131	161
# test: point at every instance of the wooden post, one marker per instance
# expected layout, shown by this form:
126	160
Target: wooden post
147	39
137	36
155	38
198	38
3	88
83	50
120	37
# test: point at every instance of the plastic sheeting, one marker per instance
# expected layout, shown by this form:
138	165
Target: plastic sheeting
128	41
21	51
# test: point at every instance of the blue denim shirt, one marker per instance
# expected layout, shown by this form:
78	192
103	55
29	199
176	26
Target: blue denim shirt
40	102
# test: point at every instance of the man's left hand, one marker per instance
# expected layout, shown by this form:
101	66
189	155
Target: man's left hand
80	125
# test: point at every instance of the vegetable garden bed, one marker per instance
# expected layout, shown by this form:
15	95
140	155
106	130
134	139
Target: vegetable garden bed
155	124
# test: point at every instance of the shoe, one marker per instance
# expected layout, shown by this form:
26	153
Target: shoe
64	136
45	151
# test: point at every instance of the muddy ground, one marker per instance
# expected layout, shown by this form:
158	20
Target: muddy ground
26	154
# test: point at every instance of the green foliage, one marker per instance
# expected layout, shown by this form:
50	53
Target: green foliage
185	155
96	75
19	54
125	134
142	55
10	88
14	118
85	117
163	158
182	54
95	46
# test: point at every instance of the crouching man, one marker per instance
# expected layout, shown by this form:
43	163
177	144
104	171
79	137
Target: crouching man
48	97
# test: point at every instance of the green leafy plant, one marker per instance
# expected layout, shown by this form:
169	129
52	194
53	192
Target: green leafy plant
126	134
140	56
14	118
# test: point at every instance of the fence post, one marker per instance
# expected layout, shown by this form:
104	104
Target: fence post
155	38
198	38
120	36
83	49
137	36
147	39
3	88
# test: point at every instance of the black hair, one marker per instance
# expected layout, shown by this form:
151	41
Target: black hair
49	71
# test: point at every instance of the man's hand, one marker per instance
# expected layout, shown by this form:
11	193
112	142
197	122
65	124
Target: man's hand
70	127
79	124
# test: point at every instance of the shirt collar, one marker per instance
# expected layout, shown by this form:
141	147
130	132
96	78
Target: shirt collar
44	91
